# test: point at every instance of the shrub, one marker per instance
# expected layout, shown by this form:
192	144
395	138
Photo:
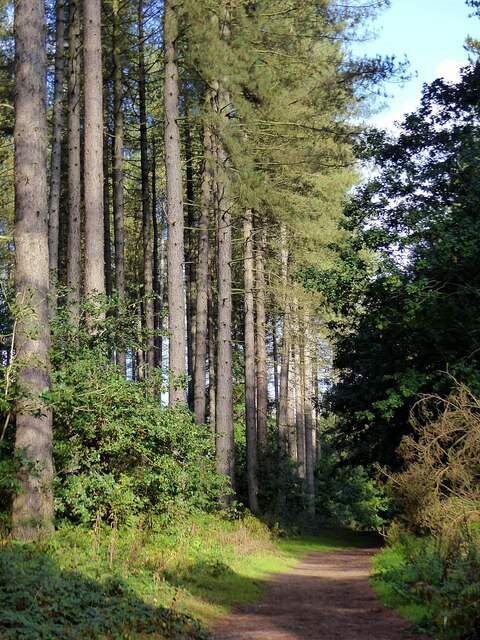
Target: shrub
117	451
439	498
349	496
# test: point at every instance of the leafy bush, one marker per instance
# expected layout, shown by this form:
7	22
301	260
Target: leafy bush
117	452
349	496
442	593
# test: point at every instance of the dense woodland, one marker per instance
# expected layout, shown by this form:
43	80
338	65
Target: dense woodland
221	290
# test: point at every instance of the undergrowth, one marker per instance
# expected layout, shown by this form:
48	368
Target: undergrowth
432	568
437	594
149	578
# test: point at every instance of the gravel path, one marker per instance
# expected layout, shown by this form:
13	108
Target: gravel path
325	597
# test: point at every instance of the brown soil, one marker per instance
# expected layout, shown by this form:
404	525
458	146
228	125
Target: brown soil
325	597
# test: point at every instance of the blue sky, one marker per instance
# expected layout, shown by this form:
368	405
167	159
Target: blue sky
431	34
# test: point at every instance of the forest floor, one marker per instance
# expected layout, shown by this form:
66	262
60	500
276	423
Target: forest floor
326	596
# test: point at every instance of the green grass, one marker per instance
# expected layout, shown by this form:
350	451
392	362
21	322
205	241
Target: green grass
143	581
394	595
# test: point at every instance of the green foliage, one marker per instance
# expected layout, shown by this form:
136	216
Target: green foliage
349	496
407	287
133	581
439	593
117	452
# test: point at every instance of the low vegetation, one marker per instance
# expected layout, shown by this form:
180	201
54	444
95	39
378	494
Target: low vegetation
431	569
150	578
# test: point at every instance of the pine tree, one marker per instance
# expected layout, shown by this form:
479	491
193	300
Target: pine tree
250	373
74	177
33	505
55	173
93	149
174	192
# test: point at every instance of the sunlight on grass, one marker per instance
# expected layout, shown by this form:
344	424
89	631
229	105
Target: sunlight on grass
148	574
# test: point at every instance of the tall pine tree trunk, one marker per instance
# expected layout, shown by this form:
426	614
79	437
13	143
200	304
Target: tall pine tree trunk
224	397
300	403
175	247
276	381
74	177
93	149
292	427
33	505
250	374
212	362
107	240
261	347
146	226
309	445
55	172
284	376
118	190
157	286
190	267
201	333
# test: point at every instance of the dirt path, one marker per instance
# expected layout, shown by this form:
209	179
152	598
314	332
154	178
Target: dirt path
325	597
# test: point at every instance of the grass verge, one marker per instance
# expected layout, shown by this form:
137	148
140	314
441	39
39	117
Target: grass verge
149	579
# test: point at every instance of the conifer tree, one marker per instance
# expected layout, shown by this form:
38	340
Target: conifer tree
201	333
250	374
174	192
145	189
55	173
33	505
74	178
261	346
93	149
118	169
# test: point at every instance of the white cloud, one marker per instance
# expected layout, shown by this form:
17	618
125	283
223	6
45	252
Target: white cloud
396	113
449	70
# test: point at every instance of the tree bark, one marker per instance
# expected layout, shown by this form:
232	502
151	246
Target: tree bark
309	449
55	172
212	365
107	240
250	374
276	381
224	397
175	247
146	226
299	404
93	149
74	178
118	190
201	333
284	376
190	268
157	286
261	347
33	505
292	427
